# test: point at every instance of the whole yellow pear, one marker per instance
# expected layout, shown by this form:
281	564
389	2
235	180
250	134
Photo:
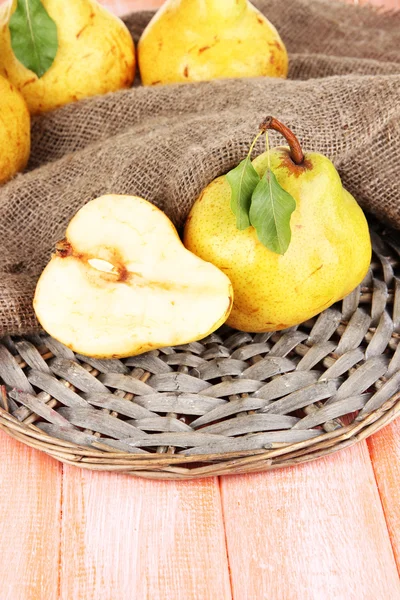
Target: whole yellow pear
195	40
15	138
328	255
95	55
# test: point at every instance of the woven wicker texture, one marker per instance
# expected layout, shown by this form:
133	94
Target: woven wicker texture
234	402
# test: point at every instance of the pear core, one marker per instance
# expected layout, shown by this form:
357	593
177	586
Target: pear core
122	283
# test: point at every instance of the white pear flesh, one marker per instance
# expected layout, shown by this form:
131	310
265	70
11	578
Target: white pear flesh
122	283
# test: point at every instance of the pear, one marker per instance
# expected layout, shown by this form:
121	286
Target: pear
328	255
14	131
122	283
95	55
195	40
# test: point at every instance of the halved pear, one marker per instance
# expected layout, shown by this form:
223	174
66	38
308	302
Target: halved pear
122	283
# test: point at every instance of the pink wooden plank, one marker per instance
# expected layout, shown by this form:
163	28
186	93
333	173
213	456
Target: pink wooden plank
30	501
129	539
384	448
388	4
121	7
313	532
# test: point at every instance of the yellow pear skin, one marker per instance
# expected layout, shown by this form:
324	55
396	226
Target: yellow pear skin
197	40
95	55
328	256
14	131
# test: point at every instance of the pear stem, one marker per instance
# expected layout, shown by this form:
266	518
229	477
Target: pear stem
296	153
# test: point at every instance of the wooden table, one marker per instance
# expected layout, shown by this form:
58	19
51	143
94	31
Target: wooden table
327	530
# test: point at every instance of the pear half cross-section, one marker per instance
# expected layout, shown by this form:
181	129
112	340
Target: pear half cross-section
122	283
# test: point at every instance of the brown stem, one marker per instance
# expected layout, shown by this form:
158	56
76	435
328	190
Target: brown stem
296	153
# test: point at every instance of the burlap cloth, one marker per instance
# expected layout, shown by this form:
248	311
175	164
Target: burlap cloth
166	144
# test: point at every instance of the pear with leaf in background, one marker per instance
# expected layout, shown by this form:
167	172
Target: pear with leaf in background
197	40
15	128
285	231
59	51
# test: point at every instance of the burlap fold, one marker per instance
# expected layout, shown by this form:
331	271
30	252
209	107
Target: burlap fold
166	143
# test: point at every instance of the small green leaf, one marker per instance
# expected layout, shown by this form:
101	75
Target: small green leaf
270	212
33	36
243	180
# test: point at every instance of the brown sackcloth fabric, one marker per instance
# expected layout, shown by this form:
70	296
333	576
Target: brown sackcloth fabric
166	144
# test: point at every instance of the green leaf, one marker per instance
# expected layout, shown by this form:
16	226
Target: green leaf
243	180
270	212
33	36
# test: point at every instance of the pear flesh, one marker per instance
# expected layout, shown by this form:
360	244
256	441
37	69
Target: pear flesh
14	131
95	55
197	40
328	256
122	283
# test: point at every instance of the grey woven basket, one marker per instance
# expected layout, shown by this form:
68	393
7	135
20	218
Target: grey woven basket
232	403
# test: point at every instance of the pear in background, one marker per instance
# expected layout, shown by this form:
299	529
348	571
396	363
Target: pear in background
328	255
95	55
122	283
195	40
14	131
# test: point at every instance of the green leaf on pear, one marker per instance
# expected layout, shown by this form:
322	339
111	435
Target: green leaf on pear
34	37
243	180
270	212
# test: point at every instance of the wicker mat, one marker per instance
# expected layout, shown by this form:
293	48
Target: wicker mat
235	401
